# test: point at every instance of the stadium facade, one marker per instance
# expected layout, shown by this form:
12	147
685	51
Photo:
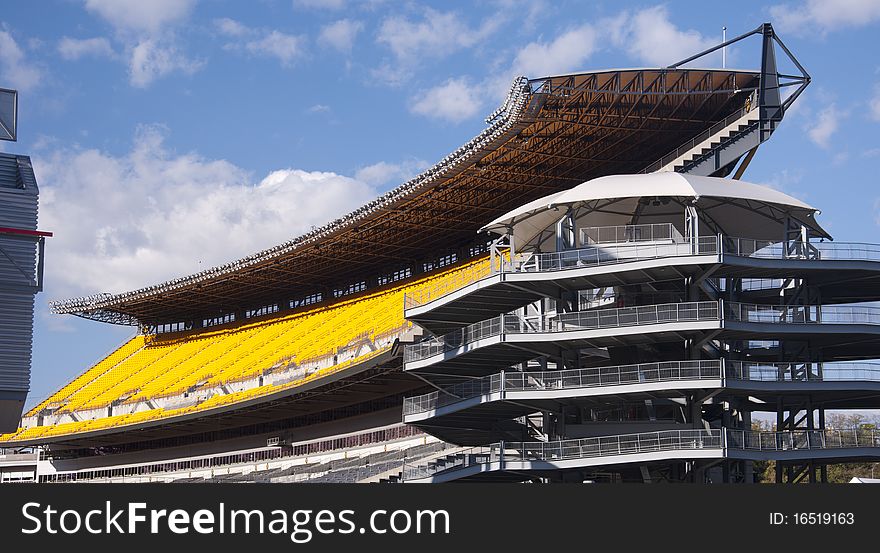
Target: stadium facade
585	291
21	267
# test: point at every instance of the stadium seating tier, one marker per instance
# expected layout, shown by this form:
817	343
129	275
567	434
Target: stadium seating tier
157	366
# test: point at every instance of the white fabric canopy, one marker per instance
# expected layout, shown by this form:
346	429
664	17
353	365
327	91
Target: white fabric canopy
737	208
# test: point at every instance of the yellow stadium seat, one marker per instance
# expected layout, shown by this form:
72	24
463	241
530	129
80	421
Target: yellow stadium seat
151	367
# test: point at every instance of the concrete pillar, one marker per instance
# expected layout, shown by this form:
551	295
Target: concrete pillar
780	420
696	412
565	233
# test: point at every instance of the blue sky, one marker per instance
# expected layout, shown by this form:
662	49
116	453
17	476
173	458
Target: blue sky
168	136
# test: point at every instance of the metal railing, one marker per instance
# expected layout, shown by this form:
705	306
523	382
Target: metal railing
581	448
564	379
797	314
847	251
647	442
666	371
566	322
704	245
595	256
630	233
803	371
452	394
13	458
624	244
816	251
456	339
447	284
611	376
802	439
207	462
643	315
623	317
462	459
692	143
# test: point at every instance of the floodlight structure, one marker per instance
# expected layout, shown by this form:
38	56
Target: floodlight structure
21	267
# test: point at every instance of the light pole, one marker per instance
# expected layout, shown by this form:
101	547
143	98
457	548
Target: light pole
724	49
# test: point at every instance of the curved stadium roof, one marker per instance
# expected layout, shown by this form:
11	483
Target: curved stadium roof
549	134
750	210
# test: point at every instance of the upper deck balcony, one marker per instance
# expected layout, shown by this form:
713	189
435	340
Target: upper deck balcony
662	230
844	271
510	460
840	331
468	412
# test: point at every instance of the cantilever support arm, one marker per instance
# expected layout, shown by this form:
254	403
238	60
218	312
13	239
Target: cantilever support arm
756	31
745	163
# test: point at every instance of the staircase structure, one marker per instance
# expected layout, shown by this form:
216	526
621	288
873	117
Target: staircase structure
635	328
715	151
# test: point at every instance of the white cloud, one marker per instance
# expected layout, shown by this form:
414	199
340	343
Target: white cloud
650	37
840	158
647	36
874	104
231	27
567	52
788	181
16	71
391	75
528	14
454	101
149	61
383	173
826	123
286	48
76	48
319	4
151	214
146	30
340	34
149	16
824	15
437	35
262	42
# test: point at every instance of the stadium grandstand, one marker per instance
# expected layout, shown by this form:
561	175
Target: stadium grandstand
390	344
